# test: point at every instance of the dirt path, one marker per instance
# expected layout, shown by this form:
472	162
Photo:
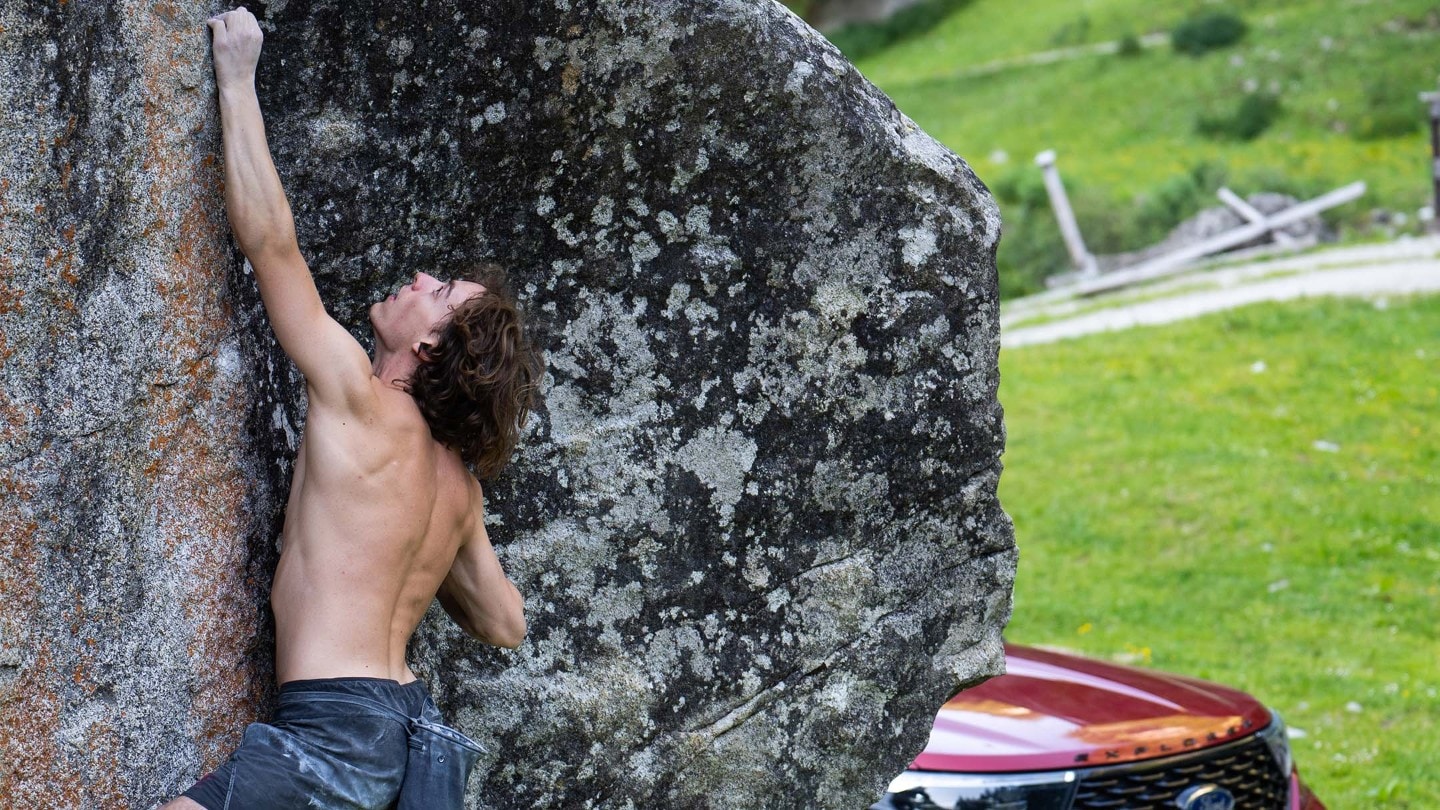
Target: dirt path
1371	271
1057	55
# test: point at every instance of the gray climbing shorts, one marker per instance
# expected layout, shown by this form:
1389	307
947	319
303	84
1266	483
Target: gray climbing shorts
348	743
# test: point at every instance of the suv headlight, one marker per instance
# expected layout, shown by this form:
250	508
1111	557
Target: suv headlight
1278	740
928	790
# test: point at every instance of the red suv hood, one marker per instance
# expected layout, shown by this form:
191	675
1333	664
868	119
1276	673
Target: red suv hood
1052	711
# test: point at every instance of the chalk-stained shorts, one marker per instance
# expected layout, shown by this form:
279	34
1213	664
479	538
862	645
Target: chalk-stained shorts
347	743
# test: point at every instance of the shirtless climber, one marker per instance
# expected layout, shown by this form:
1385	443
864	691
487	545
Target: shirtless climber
383	515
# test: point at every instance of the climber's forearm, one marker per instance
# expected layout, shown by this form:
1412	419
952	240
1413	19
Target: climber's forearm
254	198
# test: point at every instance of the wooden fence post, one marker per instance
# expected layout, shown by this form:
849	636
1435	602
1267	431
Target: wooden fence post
1069	228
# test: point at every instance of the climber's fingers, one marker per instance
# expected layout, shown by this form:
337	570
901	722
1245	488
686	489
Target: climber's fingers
237	24
237	40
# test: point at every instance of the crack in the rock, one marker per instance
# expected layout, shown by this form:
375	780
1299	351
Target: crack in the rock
85	434
754	703
970	478
814	567
195	362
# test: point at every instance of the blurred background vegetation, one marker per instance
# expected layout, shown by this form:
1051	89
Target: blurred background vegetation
1294	96
1248	497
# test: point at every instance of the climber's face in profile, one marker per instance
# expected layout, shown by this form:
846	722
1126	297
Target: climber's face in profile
417	310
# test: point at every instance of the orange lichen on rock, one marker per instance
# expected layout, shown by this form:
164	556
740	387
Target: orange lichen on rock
30	714
11	300
203	514
30	711
130	539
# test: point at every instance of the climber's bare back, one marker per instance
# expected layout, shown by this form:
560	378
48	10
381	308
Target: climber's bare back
377	511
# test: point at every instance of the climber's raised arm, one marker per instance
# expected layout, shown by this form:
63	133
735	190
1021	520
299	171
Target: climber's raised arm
336	368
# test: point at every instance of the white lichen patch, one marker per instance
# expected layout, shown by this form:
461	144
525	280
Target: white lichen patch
698	312
935	332
604	212
679	294
643	248
799	72
669	225
400	49
562	230
714	255
839	302
612	605
945	163
756	572
683	644
699	405
547	51
720	458
918	245
836	487
834	61
697	221
681	179
776	599
332	132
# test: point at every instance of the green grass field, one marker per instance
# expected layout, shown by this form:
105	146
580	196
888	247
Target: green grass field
1250	498
1347	75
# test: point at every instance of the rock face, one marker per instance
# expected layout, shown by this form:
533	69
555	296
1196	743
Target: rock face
755	520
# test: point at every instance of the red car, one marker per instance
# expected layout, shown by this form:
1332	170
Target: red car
1058	732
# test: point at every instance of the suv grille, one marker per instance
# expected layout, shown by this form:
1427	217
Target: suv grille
1246	769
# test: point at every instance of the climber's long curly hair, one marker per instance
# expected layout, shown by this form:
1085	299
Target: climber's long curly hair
477	383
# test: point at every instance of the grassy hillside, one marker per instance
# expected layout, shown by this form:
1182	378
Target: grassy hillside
1250	498
1345	74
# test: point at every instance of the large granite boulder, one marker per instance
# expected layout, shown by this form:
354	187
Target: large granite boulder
755	520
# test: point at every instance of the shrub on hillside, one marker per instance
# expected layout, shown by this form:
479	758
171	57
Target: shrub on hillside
1252	116
1075	32
860	40
1159	210
1207	32
1129	45
1392	110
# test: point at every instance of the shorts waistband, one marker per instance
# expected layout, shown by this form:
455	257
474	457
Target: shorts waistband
342	684
385	695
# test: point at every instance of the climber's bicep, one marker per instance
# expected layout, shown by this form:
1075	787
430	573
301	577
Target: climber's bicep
337	370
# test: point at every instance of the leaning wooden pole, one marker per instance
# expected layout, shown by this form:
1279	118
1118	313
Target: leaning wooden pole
1065	215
